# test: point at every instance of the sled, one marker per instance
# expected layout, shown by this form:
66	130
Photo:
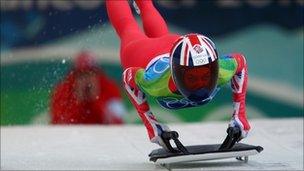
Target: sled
228	149
239	151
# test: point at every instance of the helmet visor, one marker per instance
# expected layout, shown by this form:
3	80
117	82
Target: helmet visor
196	82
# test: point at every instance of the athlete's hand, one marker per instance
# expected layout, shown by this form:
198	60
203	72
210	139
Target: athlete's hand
158	139
164	136
236	123
164	141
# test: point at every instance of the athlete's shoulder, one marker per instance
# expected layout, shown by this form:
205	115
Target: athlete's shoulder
157	67
129	75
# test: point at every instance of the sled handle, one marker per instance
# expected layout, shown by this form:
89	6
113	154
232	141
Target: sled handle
170	135
234	134
167	136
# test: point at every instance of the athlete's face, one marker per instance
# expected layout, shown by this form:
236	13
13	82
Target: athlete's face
197	78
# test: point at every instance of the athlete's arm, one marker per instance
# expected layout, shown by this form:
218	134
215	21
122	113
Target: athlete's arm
239	89
139	101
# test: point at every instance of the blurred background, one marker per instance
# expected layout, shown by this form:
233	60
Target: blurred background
40	39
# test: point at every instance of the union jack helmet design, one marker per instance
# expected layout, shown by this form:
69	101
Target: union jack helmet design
194	66
194	50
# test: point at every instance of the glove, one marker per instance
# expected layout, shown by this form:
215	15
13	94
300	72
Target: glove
158	138
160	141
236	133
236	123
233	136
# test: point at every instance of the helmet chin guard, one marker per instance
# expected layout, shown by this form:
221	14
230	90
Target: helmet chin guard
194	66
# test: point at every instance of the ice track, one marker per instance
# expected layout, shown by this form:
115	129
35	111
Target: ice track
127	147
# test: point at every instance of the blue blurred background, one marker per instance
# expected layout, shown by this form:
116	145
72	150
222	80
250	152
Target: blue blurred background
40	38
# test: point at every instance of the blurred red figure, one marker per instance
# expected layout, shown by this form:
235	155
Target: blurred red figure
86	96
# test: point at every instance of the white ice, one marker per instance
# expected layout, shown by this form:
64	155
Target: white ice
127	147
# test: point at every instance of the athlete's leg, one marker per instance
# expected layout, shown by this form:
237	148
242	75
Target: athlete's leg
153	23
121	17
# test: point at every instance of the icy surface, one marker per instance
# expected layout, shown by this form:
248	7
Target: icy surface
127	147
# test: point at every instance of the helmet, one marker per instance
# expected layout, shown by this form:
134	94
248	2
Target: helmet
194	66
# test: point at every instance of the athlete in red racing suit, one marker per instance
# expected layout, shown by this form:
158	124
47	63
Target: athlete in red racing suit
177	71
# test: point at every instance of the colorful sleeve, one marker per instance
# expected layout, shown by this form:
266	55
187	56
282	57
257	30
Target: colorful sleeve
139	101
227	68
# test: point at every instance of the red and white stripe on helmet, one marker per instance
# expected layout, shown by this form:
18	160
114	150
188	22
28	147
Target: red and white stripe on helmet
194	50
